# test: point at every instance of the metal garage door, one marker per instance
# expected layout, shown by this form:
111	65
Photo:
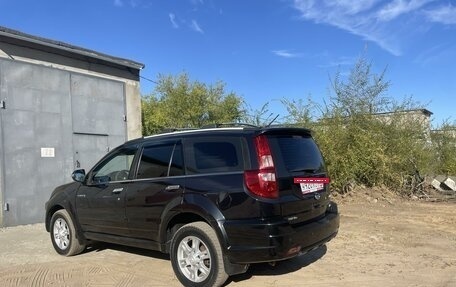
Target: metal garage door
98	115
35	149
52	122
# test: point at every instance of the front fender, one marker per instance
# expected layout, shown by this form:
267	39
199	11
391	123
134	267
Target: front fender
63	197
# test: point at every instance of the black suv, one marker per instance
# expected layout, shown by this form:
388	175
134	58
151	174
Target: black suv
215	199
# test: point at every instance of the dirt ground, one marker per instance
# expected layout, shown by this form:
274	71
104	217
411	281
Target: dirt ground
381	242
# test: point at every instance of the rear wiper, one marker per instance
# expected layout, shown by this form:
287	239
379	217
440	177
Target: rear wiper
306	170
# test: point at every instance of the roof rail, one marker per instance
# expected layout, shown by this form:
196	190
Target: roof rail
171	130
211	126
220	125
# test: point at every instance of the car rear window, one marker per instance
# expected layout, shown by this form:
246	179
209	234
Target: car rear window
300	153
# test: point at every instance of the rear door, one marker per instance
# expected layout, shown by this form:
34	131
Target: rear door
159	185
301	174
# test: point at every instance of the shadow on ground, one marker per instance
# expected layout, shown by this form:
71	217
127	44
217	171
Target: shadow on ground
100	246
261	269
282	267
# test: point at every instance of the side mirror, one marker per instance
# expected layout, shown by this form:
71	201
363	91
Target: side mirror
78	175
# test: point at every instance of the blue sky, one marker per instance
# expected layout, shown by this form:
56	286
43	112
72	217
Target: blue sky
264	50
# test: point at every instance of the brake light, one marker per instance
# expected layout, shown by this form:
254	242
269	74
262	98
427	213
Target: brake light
262	182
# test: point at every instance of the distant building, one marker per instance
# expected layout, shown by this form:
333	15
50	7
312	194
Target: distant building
421	117
414	116
61	107
449	132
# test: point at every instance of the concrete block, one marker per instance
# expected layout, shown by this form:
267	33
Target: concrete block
436	184
450	183
440	178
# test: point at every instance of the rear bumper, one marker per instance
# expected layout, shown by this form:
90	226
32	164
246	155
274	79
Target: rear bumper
256	241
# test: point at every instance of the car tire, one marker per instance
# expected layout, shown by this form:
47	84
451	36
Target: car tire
63	234
196	256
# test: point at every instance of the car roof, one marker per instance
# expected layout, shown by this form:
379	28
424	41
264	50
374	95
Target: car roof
217	130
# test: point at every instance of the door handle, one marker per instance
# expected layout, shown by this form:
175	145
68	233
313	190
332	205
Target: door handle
172	187
117	190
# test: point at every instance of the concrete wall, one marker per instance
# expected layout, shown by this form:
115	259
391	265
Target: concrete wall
133	106
129	78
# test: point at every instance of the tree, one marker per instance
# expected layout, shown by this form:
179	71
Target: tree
257	117
178	102
299	112
363	92
362	147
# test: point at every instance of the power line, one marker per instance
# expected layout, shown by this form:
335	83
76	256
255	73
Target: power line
147	79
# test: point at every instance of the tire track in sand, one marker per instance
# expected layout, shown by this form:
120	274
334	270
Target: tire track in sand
39	278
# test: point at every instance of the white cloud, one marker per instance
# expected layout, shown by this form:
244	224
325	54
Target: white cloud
443	14
172	19
351	7
286	54
118	3
391	24
319	9
196	27
358	19
399	7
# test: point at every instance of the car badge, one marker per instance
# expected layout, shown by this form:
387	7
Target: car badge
317	196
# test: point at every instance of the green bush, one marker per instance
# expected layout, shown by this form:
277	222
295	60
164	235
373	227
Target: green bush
444	143
178	102
361	145
366	150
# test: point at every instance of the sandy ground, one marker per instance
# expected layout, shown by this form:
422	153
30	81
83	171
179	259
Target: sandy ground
380	243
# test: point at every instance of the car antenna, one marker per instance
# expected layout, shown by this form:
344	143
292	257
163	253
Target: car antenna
273	120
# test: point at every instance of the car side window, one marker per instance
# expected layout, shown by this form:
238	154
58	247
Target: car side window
114	168
161	161
214	155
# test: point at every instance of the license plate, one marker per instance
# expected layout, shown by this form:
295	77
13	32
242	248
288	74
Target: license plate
311	187
311	184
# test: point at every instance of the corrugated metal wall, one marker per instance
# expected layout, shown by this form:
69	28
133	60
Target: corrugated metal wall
52	122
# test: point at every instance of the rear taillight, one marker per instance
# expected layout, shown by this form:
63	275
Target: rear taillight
262	182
